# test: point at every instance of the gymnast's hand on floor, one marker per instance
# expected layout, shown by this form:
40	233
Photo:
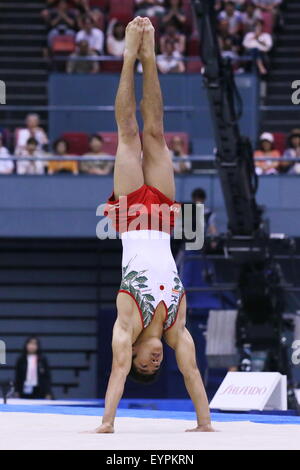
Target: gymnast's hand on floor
203	428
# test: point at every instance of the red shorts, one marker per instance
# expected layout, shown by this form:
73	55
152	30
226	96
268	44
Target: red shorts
144	209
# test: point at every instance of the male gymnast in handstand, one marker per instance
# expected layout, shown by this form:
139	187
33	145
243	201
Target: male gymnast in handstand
151	302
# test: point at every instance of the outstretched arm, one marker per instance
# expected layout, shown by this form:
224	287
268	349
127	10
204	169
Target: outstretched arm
183	344
122	358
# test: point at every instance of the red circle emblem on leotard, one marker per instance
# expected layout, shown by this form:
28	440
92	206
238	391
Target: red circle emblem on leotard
162	287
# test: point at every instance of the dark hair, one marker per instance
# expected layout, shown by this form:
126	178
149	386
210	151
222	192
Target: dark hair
138	377
59	141
31	141
30	338
199	193
87	19
169	43
259	21
96	136
294	133
117	25
265	140
168	4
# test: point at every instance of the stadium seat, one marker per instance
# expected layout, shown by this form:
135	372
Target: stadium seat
112	66
122	10
63	43
190	23
110	142
193	46
156	23
268	22
194	66
169	136
280	141
78	142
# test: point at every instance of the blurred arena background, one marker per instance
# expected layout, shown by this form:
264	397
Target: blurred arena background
60	62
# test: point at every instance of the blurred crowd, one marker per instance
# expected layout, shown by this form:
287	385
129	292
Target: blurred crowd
91	29
35	156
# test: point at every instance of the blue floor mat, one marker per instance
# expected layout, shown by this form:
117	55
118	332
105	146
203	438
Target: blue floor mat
154	414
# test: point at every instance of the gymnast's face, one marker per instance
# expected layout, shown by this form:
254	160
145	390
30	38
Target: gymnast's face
148	355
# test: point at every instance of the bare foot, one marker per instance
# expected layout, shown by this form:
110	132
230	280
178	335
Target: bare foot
204	428
103	429
147	49
133	37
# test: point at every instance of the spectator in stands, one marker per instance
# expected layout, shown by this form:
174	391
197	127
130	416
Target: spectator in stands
267	150
31	167
258	44
230	20
6	166
32	373
62	21
94	36
250	17
240	4
180	159
293	151
174	14
171	60
96	151
81	9
210	226
32	129
272	7
60	150
218	5
81	60
173	35
267	5
115	38
149	8
229	49
97	17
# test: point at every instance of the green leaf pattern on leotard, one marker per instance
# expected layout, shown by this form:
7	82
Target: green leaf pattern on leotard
173	308
134	281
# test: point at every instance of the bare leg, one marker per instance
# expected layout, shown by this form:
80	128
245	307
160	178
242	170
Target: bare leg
128	174
157	162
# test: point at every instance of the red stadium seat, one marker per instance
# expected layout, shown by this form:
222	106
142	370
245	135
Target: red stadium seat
155	21
78	142
169	136
268	22
113	66
122	10
110	142
279	141
190	23
193	46
63	43
194	66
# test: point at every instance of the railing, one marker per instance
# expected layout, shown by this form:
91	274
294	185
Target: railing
108	58
84	108
291	107
188	158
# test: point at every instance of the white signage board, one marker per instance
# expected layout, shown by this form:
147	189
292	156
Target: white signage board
244	391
